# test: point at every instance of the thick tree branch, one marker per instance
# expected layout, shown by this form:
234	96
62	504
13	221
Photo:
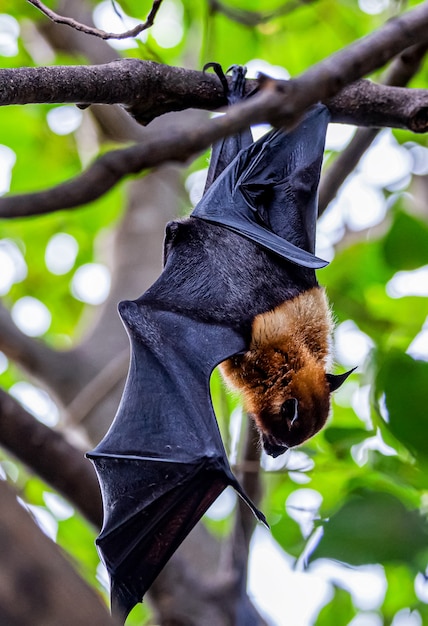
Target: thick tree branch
51	457
90	30
148	87
38	586
364	103
400	73
148	90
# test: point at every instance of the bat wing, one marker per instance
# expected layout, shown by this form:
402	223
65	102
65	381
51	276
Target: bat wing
162	463
277	175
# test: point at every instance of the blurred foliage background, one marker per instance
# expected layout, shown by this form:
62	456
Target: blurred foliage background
348	510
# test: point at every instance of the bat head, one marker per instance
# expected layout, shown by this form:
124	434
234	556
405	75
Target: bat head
283	378
297	409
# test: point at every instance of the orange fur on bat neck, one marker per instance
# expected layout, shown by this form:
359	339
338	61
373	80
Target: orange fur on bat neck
287	358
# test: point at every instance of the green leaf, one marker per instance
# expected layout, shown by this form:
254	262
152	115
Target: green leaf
401	589
287	533
346	436
405	384
373	527
406	244
339	611
78	538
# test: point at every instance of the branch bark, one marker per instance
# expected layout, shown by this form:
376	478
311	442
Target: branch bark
149	90
47	453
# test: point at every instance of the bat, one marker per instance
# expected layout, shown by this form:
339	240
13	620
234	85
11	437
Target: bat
238	288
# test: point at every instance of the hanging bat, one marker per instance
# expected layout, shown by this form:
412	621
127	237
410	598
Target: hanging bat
238	288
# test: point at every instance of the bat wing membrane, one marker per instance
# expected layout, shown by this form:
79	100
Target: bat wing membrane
162	463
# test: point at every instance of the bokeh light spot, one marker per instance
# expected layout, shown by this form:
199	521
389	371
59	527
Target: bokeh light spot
31	316
91	283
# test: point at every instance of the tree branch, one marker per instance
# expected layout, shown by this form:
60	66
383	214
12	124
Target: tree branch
38	586
148	88
253	18
48	365
90	30
51	457
244	520
400	73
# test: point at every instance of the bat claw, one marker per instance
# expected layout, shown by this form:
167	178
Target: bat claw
236	91
218	70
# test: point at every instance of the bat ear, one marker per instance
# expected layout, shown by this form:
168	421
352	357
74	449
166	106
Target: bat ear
336	380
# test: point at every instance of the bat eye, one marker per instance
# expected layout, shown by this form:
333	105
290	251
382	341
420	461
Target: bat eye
289	411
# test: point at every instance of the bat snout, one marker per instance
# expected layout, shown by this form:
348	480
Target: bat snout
272	447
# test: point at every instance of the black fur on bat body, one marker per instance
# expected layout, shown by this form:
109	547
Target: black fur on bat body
238	288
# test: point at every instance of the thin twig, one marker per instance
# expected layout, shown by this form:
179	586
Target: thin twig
90	30
253	18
